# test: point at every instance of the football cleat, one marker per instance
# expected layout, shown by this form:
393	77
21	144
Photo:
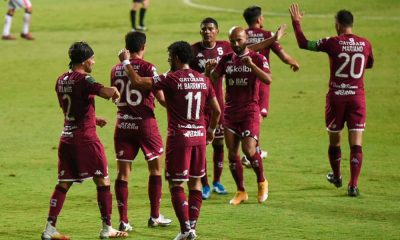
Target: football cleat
109	232
190	235
160	221
262	191
8	37
141	28
239	197
246	162
353	191
335	181
264	154
219	188
125	227
27	36
205	194
50	233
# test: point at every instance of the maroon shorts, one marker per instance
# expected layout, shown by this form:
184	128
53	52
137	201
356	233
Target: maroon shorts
77	162
264	99
246	128
182	162
127	144
341	109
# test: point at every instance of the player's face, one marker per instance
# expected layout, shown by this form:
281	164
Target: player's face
172	63
209	32
88	64
238	42
261	19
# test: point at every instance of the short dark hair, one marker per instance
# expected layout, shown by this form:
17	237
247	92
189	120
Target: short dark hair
79	52
181	49
209	20
345	18
251	14
135	41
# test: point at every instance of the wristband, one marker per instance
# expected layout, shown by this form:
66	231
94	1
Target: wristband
211	130
126	62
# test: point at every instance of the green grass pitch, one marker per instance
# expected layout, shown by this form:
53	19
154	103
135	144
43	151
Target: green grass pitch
302	205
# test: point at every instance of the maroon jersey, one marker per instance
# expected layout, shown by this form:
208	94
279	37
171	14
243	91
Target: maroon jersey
242	85
136	105
75	92
186	93
349	56
202	56
256	35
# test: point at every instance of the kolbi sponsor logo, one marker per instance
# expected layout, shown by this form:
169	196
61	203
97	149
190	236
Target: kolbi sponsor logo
237	69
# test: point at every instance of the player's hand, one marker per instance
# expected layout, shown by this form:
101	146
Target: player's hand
210	137
280	32
247	61
295	12
101	122
124	55
295	66
116	96
210	65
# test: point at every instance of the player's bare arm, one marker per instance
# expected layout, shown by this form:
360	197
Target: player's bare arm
110	92
269	41
136	80
160	98
210	65
101	122
286	58
261	75
215	115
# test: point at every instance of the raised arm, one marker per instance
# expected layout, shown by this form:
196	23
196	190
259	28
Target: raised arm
261	75
215	115
296	22
136	80
268	42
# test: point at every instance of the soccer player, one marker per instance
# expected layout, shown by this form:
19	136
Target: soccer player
186	94
349	56
136	128
243	70
141	5
12	6
80	153
255	32
211	49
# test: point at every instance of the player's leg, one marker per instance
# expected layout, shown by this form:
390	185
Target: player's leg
135	7
249	148
7	25
232	142
56	203
218	160
356	159
142	14
104	200
26	23
335	157
155	194
181	207
122	192
195	203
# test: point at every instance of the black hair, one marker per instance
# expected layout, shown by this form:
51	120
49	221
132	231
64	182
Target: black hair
251	14
79	52
344	18
209	20
181	49
135	41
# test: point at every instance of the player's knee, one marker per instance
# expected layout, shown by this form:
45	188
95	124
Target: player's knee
11	12
28	10
64	186
101	181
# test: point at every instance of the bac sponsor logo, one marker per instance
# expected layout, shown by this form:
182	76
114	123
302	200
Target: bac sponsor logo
238	82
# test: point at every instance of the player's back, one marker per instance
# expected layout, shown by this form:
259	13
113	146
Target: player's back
186	93
75	92
349	56
135	102
256	35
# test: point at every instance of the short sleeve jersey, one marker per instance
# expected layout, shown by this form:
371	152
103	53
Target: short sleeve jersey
202	55
256	35
135	104
75	92
242	85
349	56
186	93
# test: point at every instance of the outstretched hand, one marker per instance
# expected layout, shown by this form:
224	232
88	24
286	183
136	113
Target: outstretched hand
124	55
280	32
101	122
295	12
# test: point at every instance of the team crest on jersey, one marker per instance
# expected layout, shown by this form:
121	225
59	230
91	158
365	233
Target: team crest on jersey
199	55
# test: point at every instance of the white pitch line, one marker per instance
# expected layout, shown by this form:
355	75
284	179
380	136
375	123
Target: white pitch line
232	10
